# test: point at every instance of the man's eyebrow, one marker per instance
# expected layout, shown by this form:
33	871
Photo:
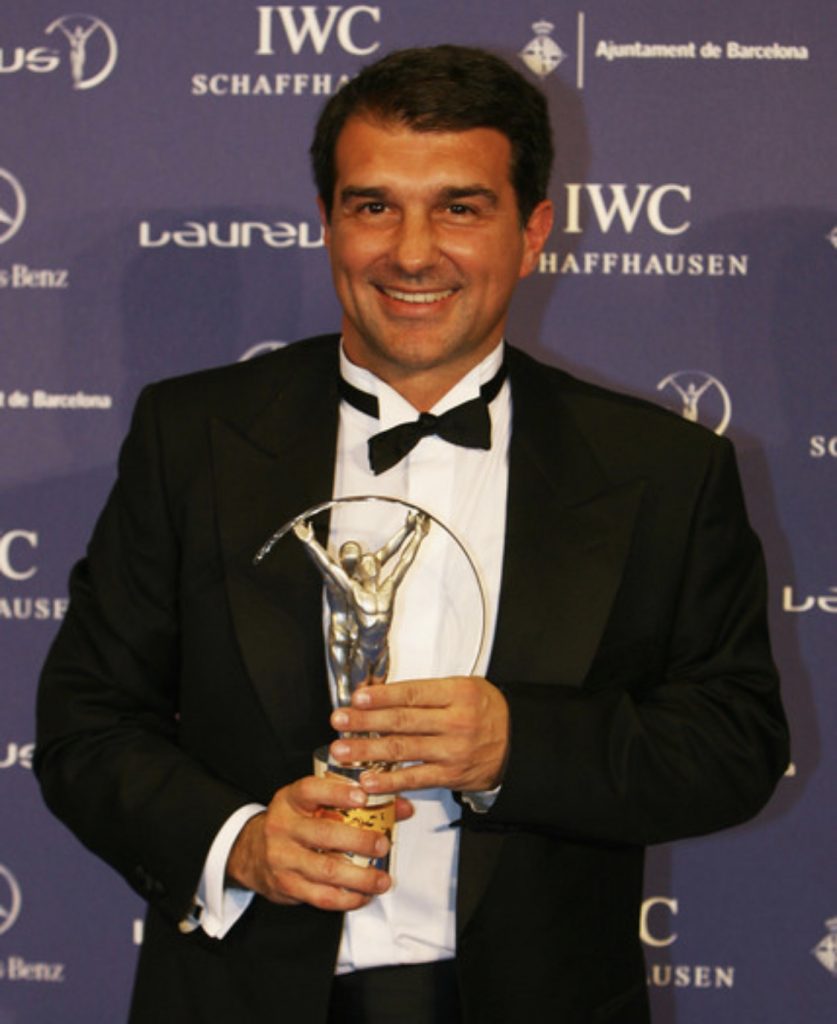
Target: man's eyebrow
452	193
360	192
448	194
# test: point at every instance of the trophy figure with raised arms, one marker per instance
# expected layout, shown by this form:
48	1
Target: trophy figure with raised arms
361	601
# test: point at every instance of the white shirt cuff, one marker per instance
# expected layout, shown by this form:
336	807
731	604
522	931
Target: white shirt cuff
218	906
482	800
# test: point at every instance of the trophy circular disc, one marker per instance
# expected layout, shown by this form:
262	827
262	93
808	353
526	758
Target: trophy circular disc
440	594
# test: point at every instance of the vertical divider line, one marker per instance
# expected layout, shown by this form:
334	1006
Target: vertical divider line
579	76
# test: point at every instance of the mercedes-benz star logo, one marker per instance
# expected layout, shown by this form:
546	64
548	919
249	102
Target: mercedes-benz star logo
78	29
826	949
692	386
10	899
12	205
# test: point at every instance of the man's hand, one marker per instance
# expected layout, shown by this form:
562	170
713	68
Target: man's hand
289	854
457	728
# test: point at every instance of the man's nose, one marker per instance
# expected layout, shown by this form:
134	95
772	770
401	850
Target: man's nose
416	246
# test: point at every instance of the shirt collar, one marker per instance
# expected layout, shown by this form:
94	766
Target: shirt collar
394	409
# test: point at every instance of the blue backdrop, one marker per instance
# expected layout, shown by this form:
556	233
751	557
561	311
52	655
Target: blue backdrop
157	215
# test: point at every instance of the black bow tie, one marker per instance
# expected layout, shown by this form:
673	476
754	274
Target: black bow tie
467	425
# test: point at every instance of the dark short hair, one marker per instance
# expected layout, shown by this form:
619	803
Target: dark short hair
444	89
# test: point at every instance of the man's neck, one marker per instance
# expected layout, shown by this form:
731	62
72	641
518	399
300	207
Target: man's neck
424	388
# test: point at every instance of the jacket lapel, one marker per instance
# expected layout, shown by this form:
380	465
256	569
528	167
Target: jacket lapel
267	472
568	533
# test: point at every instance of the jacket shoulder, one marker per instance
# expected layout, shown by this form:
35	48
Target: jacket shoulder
238	390
620	428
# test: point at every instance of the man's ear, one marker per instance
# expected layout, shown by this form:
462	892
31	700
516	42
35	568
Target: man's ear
324	221
535	235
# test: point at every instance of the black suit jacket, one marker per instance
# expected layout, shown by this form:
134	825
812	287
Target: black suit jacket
631	645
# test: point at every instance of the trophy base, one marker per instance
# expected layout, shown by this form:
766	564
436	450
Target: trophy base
378	814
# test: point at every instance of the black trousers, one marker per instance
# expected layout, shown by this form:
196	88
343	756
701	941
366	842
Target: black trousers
410	994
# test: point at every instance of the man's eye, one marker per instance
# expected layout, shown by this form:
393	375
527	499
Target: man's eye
460	209
372	207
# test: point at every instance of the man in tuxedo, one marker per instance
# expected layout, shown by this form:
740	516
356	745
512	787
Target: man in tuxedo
627	695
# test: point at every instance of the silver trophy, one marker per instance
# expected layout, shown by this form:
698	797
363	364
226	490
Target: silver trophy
362	580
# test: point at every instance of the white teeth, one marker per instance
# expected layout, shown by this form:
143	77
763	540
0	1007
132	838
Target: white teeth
419	298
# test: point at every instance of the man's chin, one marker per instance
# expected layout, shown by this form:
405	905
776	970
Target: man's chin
396	350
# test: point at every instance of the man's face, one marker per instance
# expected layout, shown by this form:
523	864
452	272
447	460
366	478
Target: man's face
426	249
367	568
350	552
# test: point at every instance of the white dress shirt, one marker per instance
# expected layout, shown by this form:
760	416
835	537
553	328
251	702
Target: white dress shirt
437	626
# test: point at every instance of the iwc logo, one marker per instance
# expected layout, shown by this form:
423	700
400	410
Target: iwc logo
313	33
696	388
261	348
542	54
311	30
12	205
19	568
87	68
10	899
826	949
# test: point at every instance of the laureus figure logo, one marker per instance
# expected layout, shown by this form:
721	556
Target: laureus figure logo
694	385
542	54
826	949
10	899
78	30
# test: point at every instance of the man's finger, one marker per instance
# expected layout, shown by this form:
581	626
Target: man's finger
328	893
420	776
327	832
335	869
311	793
394	748
426	693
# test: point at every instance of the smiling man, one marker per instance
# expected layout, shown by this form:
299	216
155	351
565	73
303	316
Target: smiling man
426	246
626	695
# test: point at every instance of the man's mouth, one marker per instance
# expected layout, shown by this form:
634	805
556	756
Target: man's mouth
417	298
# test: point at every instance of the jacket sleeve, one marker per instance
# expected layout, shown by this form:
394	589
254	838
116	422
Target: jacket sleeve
694	742
107	755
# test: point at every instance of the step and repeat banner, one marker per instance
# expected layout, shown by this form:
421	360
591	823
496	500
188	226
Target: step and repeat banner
157	216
